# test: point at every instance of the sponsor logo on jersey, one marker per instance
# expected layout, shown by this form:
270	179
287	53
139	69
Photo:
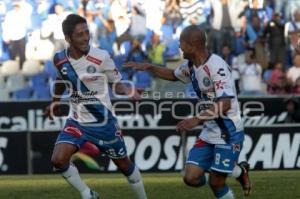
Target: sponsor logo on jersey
94	60
64	71
221	72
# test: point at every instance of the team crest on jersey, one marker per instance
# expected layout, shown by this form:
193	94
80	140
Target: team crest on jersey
91	69
206	81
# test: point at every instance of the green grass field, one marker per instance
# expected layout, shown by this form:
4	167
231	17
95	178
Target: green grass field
266	185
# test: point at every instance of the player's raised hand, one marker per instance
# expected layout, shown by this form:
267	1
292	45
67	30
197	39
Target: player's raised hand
136	65
187	124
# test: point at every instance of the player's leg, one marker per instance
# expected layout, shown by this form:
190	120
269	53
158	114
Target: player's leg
110	141
225	158
133	175
198	162
68	142
241	173
217	183
194	176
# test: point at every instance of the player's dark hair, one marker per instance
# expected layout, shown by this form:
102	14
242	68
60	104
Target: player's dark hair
70	22
252	51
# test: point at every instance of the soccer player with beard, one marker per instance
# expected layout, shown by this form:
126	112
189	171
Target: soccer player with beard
86	72
215	153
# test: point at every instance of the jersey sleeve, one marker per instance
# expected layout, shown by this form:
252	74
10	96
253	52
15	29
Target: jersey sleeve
222	80
182	73
57	63
109	69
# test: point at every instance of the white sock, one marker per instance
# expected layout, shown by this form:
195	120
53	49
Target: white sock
228	195
206	175
136	184
72	177
236	172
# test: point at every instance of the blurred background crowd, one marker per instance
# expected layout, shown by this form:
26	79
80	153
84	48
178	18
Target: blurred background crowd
255	37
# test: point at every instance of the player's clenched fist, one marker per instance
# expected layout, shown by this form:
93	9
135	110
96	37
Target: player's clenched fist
52	110
188	124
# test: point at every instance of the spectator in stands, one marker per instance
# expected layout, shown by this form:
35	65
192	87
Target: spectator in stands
15	28
142	79
156	50
294	72
228	56
135	54
287	7
292	30
293	111
296	88
278	82
195	12
138	24
93	27
120	10
254	39
52	27
107	34
251	75
154	12
172	13
225	19
257	8
274	34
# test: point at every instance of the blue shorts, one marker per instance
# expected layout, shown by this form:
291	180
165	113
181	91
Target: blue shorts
108	138
214	157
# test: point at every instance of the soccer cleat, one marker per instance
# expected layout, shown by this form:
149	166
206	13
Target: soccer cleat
244	179
94	195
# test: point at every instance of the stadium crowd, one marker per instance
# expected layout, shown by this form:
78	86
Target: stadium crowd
255	37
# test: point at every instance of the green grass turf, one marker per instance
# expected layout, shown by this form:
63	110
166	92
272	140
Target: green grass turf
266	185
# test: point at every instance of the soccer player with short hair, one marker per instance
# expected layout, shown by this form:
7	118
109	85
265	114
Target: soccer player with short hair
86	71
219	144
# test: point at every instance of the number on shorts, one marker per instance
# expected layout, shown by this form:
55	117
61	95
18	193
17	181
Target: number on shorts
217	158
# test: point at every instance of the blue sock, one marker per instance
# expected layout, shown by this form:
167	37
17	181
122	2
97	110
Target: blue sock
225	193
130	170
61	170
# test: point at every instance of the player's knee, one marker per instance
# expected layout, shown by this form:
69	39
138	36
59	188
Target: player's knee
124	165
58	162
191	180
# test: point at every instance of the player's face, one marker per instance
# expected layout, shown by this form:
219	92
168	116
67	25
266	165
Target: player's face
187	50
80	37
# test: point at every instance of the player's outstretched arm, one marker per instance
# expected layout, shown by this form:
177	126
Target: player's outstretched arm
161	72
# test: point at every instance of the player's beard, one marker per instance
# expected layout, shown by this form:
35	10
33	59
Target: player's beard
83	50
188	56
